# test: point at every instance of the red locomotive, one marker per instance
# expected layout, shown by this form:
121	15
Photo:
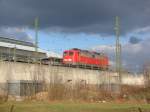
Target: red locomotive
84	57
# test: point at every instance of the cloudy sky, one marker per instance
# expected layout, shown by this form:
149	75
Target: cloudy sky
86	24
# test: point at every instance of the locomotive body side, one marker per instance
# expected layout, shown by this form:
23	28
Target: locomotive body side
83	57
94	59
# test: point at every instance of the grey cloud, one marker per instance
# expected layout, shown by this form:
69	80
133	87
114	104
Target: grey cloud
16	33
134	56
90	16
134	40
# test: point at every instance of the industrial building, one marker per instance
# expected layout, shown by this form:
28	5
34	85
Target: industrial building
17	50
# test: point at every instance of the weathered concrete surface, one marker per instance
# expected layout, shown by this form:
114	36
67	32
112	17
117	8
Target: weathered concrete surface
10	71
24	71
131	79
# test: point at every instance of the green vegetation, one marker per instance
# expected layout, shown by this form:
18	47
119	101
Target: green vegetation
71	107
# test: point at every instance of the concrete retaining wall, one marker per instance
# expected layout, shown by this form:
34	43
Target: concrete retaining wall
24	71
10	71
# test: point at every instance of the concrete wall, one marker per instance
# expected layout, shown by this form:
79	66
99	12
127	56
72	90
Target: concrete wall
10	71
132	79
24	71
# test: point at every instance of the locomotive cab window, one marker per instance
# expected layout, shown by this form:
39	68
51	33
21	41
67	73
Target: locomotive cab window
79	53
65	53
93	56
70	53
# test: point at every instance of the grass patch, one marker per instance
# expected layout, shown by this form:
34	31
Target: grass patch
71	107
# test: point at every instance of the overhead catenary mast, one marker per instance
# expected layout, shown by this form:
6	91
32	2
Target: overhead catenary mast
36	25
118	47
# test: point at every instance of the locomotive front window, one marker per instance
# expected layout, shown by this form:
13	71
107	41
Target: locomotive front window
65	53
70	53
93	56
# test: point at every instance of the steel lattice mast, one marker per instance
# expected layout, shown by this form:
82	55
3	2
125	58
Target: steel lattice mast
118	47
36	25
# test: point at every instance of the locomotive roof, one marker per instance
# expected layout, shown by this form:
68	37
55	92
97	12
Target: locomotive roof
87	51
